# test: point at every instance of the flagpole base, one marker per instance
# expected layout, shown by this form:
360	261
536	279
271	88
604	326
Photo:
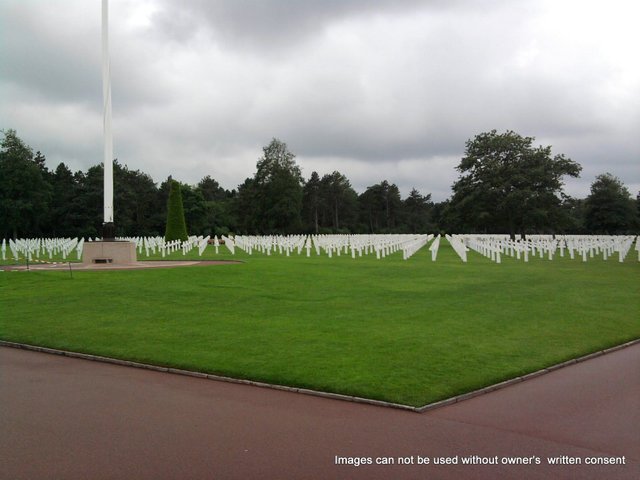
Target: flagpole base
108	232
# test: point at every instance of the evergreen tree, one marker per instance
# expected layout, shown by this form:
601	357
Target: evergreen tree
417	212
176	226
380	207
62	218
311	203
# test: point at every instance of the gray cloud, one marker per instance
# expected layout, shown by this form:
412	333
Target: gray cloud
57	64
373	89
270	24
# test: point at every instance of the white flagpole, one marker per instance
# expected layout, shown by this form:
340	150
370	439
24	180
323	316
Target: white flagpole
106	96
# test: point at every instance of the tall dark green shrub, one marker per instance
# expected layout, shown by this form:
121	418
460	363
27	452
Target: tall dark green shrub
176	226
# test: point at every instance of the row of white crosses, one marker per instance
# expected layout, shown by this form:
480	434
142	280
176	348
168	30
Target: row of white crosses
410	247
584	246
229	243
434	248
267	244
593	245
36	249
154	245
381	245
490	245
330	245
457	243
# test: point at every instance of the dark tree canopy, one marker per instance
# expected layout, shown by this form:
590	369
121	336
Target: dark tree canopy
380	207
211	190
330	204
312	202
276	158
25	192
244	207
506	184
135	201
62	211
417	212
277	191
339	201
217	216
609	208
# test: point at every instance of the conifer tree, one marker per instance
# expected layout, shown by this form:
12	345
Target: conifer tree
176	226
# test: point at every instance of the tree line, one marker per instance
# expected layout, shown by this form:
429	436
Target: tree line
505	185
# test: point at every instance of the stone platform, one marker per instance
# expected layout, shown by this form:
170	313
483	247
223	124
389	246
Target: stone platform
109	252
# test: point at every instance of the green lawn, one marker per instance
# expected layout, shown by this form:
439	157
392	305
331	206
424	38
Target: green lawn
411	331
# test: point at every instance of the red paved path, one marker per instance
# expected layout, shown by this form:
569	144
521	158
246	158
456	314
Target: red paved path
64	418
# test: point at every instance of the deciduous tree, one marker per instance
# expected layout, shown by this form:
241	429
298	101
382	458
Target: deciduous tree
278	190
609	207
340	200
24	191
507	184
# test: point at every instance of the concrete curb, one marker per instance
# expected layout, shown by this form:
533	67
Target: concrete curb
317	393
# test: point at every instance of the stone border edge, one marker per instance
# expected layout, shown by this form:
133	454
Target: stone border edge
317	393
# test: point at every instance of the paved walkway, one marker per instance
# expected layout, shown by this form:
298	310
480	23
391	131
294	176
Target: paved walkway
67	418
75	266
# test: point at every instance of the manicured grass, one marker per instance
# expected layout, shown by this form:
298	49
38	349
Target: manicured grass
411	331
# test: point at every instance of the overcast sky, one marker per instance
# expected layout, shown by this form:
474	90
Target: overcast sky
385	89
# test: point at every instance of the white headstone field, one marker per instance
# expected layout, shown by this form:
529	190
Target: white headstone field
494	247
